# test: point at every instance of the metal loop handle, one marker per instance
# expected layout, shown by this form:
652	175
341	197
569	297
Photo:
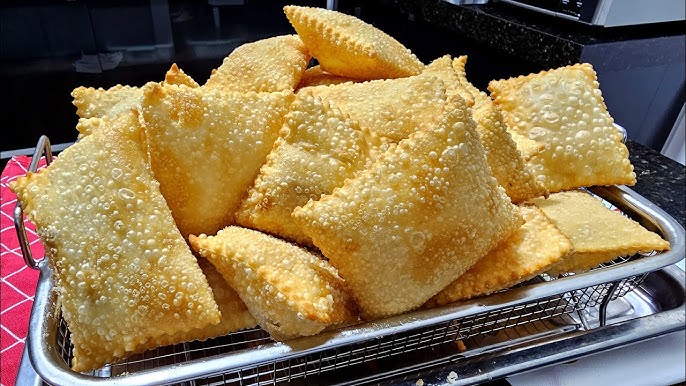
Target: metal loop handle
42	149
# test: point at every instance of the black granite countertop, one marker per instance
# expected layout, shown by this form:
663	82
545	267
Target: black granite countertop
659	179
539	38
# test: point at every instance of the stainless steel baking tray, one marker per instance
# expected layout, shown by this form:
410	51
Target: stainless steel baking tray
543	321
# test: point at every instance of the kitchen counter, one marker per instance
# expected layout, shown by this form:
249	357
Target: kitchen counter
659	179
641	69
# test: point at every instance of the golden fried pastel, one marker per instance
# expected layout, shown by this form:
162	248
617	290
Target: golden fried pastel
442	68
127	280
417	219
531	250
317	150
266	65
97	107
504	158
564	109
290	291
393	108
598	234
206	148
347	46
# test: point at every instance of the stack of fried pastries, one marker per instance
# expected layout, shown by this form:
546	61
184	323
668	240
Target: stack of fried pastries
304	199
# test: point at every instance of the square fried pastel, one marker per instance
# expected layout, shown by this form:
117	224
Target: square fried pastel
317	150
266	65
235	315
346	46
598	234
564	110
416	219
127	280
206	148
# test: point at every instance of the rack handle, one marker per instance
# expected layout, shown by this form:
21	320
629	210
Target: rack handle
42	149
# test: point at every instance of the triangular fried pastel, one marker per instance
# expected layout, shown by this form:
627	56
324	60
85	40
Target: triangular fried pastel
563	108
393	108
266	65
99	102
530	251
416	219
97	107
175	75
127	280
347	46
504	158
442	68
290	291
315	76
206	148
235	315
318	148
598	234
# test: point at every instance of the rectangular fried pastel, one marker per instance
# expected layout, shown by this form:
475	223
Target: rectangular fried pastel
290	291
393	108
317	149
598	234
416	219
127	280
348	46
533	248
564	110
266	65
206	148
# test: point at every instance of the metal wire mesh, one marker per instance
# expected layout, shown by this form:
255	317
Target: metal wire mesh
478	330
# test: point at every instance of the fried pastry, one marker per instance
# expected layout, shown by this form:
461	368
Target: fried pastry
442	68
318	148
598	234
315	76
99	102
416	219
393	108
564	109
505	160
267	65
127	280
97	107
290	291
347	46
175	75
235	315
531	250
206	148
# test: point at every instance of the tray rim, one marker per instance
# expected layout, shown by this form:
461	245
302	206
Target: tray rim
48	365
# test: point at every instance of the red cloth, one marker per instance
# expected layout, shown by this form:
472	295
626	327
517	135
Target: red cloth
17	281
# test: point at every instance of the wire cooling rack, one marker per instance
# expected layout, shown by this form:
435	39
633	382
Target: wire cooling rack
541	306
